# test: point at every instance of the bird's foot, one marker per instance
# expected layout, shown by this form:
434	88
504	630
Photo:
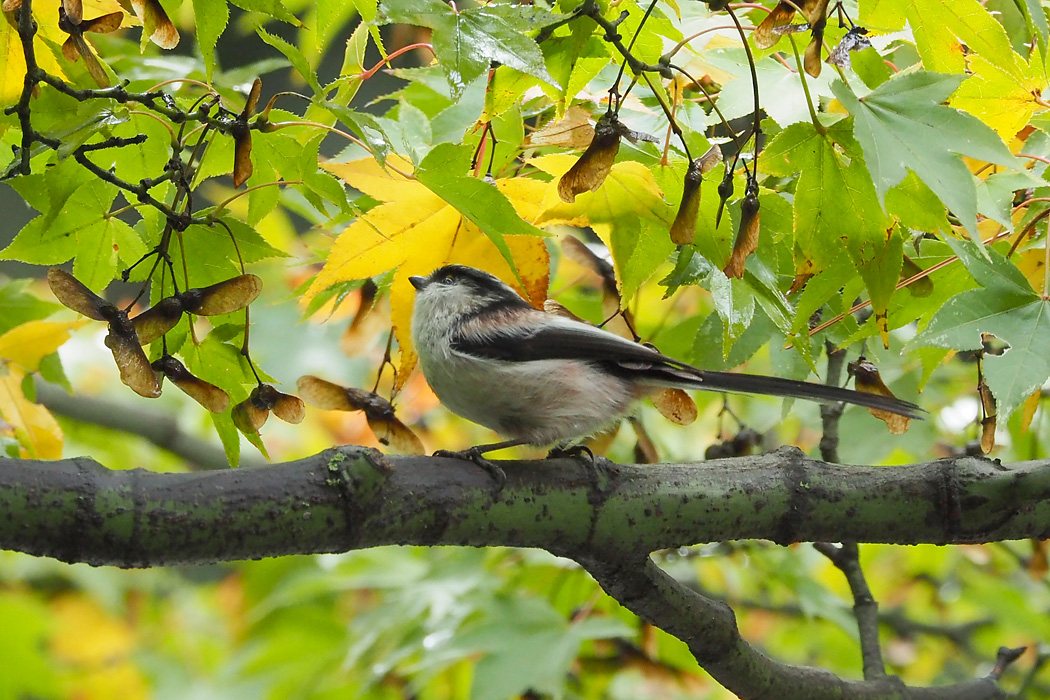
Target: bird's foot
476	455
583	454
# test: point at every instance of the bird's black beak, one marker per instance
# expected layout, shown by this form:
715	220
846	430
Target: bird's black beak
418	282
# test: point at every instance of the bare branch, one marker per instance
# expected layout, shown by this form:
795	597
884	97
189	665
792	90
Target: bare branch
847	558
709	628
159	427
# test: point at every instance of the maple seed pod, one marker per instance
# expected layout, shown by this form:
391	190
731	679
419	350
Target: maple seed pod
379	412
288	408
988	411
811	62
123	342
248	417
573	131
675	405
866	378
242	137
220	298
590	171
158	319
777	22
74	10
765	34
555	309
684	227
156	25
135	369
747	234
76	47
577	250
207	395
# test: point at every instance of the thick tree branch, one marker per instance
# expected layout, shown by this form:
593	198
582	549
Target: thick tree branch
352	498
896	619
160	428
709	629
349	498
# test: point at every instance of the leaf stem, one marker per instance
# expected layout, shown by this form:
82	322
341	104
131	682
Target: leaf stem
348	137
386	61
904	283
222	205
817	126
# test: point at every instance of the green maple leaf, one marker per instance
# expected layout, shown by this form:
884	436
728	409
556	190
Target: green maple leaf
903	126
836	208
1007	307
467	41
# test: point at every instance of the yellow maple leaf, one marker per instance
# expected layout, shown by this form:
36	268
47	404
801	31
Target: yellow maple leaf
35	428
95	647
26	345
415	231
1002	96
1032	264
629	191
12	60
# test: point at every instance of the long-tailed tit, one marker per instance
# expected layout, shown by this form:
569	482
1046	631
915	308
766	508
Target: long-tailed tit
543	379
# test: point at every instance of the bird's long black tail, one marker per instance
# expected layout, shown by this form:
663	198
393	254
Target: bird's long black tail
775	386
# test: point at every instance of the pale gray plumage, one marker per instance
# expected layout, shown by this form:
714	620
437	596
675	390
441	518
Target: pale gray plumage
544	379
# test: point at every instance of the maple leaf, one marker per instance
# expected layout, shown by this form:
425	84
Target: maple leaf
415	231
902	125
1003	96
12	75
21	350
628	212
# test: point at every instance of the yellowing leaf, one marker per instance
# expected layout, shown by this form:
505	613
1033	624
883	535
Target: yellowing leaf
629	192
96	8
95	649
525	195
86	634
1032	264
942	28
385	237
385	185
416	232
35	428
1028	410
29	343
12	60
1002	96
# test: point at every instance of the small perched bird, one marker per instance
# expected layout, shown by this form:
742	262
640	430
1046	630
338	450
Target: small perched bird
543	379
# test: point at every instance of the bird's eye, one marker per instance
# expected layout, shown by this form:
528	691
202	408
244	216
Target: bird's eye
448	280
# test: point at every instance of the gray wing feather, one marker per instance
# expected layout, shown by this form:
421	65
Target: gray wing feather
564	339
